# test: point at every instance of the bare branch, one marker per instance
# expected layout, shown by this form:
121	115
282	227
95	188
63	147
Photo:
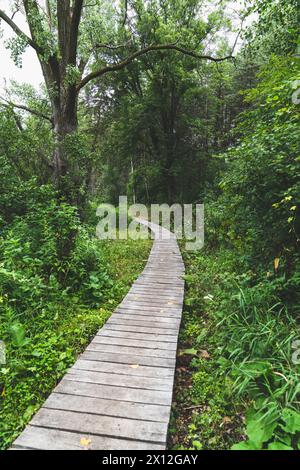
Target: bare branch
10	104
18	31
238	36
132	57
76	16
125	12
49	14
111	48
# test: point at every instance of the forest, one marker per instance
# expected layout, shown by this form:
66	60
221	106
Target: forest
162	101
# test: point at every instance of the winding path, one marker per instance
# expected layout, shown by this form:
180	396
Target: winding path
118	394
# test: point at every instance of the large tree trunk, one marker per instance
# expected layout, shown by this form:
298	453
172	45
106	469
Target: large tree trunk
64	125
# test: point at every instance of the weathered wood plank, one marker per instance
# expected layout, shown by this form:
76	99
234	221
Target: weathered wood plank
100	406
155	320
124	369
101	425
135	343
106	378
167	307
144	300
109	392
53	439
163	327
138	351
115	326
108	332
145	311
128	359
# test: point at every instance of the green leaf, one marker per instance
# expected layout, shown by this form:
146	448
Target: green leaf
246	445
17	333
258	430
197	445
279	446
292	421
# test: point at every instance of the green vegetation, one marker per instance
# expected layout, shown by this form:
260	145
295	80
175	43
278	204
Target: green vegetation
239	381
163	101
235	358
51	307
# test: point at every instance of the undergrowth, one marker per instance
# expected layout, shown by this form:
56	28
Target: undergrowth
49	312
237	384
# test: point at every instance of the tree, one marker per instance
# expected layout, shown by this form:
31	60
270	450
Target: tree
59	35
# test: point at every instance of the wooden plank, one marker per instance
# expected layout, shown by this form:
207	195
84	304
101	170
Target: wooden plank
155	321
165	307
155	301
53	439
135	307
154	325
142	329
158	278
109	333
164	295
160	289
101	425
109	392
157	283
106	378
135	343
128	359
145	352
100	406
164	312
124	369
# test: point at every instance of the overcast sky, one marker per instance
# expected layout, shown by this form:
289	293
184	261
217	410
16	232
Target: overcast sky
31	71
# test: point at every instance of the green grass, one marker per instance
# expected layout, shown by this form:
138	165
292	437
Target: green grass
42	345
235	378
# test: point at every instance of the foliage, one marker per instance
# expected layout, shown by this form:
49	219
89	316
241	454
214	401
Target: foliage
260	188
163	127
44	321
241	336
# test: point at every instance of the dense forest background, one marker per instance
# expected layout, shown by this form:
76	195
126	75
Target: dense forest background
163	101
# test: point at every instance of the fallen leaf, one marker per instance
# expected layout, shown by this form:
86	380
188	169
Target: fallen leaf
226	420
204	354
134	366
276	263
85	442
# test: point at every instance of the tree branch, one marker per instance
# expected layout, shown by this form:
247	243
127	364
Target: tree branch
110	47
49	14
63	29
18	31
74	30
132	57
125	12
8	104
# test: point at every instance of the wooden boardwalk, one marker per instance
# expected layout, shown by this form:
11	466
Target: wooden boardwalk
118	394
